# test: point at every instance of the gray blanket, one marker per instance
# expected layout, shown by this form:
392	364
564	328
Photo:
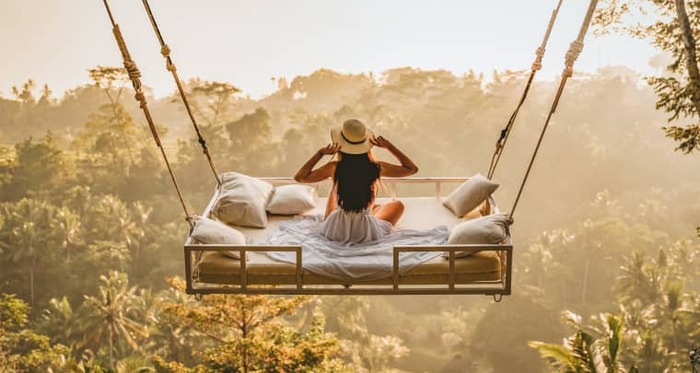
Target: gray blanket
352	261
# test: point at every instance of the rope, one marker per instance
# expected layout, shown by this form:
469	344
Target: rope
170	66
575	50
135	76
536	66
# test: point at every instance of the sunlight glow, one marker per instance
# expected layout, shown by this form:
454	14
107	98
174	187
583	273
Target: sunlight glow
247	42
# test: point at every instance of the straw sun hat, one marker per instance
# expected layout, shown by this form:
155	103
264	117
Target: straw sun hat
353	137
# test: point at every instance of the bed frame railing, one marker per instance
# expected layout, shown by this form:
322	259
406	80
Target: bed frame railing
193	252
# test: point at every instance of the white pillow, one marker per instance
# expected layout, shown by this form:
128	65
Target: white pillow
243	200
470	194
208	231
292	199
490	229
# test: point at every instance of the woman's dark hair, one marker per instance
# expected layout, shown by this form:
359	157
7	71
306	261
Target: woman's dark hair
356	178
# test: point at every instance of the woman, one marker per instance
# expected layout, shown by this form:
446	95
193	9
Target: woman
351	215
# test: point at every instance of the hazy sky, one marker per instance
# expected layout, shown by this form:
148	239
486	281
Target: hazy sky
246	42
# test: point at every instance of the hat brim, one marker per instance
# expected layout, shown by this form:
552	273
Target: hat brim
349	148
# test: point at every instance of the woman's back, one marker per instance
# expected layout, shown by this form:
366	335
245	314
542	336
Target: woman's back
354	190
355	181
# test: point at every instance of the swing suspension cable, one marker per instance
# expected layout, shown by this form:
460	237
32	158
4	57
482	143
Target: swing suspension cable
536	66
135	77
170	66
570	58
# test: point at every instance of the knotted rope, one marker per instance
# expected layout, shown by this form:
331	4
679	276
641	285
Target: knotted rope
170	66
536	66
575	49
135	77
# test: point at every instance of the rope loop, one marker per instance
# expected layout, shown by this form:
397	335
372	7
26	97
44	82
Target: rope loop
132	70
191	220
170	66
141	98
537	64
504	132
575	50
135	75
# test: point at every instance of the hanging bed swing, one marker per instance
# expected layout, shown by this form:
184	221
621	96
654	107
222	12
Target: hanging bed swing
245	267
210	268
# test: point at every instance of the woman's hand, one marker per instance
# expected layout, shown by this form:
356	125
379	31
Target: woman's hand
407	167
381	142
307	174
330	149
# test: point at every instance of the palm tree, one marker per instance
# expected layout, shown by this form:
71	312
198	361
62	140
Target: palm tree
25	235
26	238
110	315
59	322
537	257
595	351
168	338
68	224
661	316
110	217
119	224
635	283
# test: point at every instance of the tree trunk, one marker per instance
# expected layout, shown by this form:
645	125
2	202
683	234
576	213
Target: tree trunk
31	284
113	103
585	282
691	59
111	347
244	332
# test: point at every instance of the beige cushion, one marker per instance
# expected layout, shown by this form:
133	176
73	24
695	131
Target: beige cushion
208	231
242	200
491	229
292	199
470	194
477	212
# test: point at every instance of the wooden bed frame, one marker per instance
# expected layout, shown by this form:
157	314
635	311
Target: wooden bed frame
240	280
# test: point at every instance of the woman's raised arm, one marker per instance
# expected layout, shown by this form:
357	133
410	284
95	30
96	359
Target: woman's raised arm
407	167
307	174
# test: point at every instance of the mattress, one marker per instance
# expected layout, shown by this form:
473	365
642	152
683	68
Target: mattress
420	212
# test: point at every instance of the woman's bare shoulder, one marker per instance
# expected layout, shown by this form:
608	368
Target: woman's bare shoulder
324	172
331	165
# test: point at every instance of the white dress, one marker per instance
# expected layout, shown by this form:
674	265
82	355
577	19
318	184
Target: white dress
352	245
354	227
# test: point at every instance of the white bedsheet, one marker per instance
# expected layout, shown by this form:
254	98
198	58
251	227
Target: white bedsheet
353	261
